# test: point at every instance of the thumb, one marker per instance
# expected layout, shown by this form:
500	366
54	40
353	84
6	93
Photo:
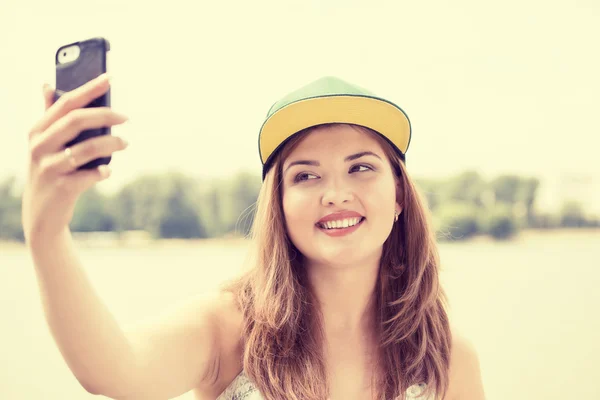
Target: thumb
48	93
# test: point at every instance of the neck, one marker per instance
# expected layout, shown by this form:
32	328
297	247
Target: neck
345	295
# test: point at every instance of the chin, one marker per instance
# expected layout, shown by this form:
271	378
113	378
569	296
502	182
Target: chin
338	252
340	258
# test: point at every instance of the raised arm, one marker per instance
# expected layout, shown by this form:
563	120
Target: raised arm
157	359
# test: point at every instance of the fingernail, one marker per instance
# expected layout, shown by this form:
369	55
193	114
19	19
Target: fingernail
104	171
120	117
104	77
125	142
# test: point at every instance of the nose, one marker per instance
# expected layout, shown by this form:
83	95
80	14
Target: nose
336	193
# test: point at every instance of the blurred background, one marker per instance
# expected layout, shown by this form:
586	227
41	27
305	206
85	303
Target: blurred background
503	101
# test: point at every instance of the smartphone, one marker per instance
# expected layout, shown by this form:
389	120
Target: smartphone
77	63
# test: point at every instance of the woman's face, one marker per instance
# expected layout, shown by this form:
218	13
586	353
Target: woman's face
339	196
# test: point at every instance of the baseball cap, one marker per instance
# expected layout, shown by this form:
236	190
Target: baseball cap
331	100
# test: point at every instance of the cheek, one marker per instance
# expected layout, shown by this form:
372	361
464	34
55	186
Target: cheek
297	208
380	199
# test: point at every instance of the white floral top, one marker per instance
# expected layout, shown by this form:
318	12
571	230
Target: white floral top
241	388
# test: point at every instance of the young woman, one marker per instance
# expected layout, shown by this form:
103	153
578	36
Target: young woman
342	299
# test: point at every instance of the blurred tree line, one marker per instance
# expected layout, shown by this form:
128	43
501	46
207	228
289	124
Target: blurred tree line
467	205
173	205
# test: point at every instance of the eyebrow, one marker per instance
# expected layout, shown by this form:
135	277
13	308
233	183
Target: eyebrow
351	157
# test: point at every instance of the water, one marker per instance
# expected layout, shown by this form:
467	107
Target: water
529	306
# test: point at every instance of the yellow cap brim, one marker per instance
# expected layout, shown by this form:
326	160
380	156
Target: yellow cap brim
382	116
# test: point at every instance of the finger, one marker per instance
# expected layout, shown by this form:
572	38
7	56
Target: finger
48	93
68	128
85	179
67	161
76	98
75	184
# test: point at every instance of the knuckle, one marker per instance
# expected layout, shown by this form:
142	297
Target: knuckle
45	168
35	151
74	119
66	101
32	133
105	115
91	148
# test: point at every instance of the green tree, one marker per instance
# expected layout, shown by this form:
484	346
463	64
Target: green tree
518	193
245	189
572	215
233	202
430	190
161	204
506	188
178	217
208	206
92	213
466	187
545	220
499	222
10	211
456	221
137	206
527	195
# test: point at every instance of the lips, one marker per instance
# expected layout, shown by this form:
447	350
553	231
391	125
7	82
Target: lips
338	216
340	223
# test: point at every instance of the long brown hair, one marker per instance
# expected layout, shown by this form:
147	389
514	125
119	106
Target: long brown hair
282	330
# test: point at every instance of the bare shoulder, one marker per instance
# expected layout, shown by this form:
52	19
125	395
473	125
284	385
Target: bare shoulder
226	303
465	371
190	345
228	319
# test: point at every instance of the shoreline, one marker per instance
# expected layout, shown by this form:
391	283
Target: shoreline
109	240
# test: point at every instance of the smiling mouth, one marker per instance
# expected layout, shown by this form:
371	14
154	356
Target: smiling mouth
340	224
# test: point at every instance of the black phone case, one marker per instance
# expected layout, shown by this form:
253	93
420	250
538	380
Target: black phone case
90	64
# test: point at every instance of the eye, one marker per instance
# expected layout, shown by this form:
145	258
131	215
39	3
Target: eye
303	176
361	168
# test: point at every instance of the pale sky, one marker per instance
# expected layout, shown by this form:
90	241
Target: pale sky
497	87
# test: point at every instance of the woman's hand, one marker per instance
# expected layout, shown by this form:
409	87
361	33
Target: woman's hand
53	183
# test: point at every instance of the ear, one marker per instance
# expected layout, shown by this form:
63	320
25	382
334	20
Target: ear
399	208
399	196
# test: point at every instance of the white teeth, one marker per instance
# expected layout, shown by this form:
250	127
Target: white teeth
343	223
